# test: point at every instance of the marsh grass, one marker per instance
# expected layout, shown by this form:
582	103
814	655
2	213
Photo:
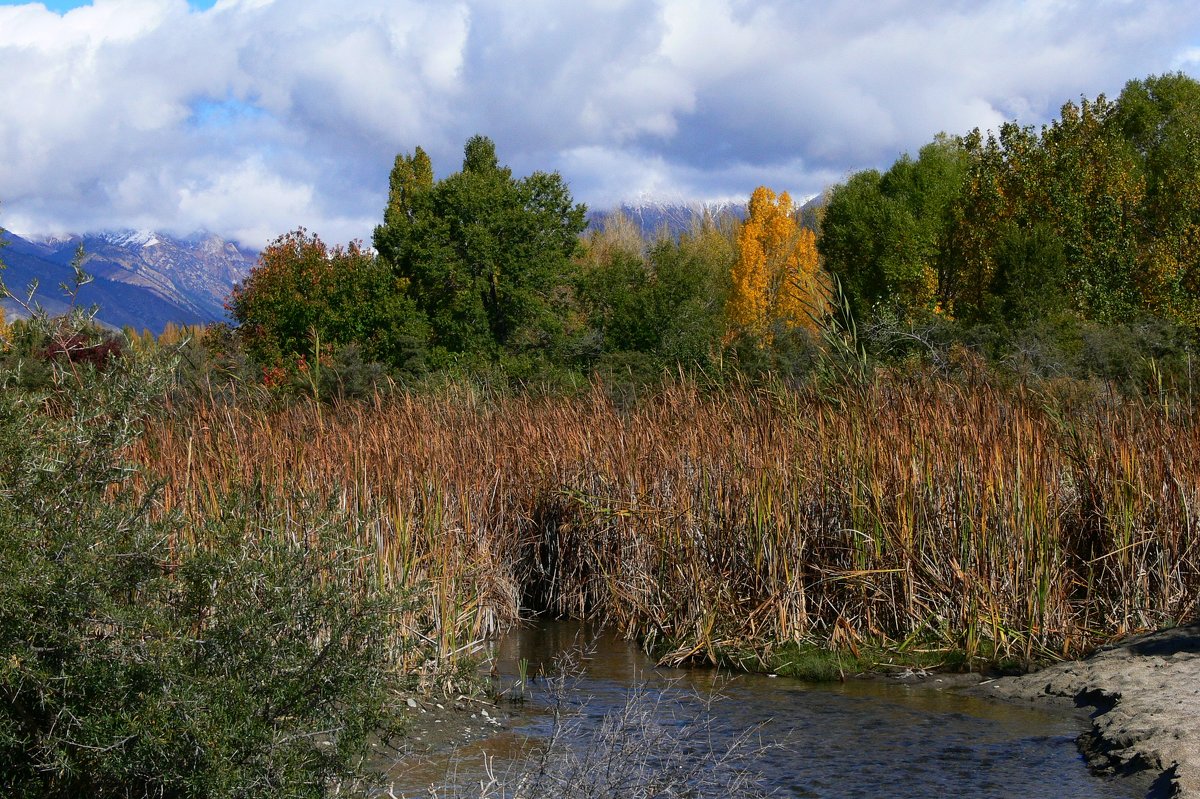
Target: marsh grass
996	522
813	660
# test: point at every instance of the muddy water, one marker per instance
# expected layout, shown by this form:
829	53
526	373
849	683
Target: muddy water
857	739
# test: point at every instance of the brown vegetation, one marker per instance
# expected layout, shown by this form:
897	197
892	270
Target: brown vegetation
996	521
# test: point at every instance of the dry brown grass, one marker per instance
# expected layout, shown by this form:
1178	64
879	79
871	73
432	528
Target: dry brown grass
992	520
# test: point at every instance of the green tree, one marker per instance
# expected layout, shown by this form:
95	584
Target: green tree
1074	182
853	239
1028	281
693	283
488	256
1097	214
1002	170
1094	192
1160	119
664	299
885	235
303	293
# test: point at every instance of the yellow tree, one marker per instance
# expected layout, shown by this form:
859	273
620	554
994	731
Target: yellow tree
776	280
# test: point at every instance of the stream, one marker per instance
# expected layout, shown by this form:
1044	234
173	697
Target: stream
861	738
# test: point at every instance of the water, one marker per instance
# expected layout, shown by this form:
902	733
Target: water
853	739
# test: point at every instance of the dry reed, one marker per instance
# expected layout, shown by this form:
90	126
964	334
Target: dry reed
991	520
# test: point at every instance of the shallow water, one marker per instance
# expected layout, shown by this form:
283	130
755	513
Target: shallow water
853	739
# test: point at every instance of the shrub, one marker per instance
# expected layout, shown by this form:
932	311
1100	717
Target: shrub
140	656
304	295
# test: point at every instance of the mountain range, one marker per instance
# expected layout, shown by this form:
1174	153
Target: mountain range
655	217
141	279
672	217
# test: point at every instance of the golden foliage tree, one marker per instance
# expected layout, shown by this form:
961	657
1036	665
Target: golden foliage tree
776	280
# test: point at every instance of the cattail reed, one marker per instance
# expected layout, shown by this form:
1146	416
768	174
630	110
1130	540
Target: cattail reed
996	521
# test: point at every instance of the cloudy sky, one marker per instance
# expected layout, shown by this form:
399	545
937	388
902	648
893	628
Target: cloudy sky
252	117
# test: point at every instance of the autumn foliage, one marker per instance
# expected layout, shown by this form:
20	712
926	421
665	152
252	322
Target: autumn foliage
776	280
1056	234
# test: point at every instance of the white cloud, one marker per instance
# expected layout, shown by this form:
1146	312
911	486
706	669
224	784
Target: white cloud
246	197
1189	58
256	116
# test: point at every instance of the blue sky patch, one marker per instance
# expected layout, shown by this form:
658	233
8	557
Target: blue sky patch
210	113
63	6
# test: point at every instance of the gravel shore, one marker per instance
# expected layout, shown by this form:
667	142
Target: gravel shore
1146	695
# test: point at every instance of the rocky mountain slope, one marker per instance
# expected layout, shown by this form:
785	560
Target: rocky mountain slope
142	280
674	218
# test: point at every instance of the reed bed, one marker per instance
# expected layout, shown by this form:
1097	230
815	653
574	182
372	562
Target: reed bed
991	520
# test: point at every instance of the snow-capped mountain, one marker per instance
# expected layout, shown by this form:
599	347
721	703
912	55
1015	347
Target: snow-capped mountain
653	216
143	279
678	216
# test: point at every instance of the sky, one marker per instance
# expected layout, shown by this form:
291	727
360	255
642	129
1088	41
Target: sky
250	118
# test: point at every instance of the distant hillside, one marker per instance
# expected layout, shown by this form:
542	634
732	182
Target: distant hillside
142	280
676	218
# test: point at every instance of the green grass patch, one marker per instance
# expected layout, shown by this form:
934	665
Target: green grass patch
817	661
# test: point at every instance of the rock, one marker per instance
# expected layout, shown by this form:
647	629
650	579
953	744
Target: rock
1145	693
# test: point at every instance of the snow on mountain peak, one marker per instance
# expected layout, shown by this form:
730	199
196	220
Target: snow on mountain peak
133	238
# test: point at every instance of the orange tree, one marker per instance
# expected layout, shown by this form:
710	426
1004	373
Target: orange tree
776	281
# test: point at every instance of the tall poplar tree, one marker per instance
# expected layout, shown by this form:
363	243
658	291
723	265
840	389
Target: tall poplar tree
776	279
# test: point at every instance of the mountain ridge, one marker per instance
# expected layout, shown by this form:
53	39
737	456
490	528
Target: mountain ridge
654	217
141	279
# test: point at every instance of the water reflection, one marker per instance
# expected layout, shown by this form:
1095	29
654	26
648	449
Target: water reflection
857	739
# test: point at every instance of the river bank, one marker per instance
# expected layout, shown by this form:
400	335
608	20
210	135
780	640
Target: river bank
1139	700
1145	691
915	732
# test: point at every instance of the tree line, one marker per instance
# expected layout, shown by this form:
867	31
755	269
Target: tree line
1097	212
1087	227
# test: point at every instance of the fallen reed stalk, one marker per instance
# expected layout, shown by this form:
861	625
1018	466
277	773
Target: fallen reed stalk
997	521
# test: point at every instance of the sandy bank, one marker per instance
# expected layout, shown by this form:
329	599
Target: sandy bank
1146	692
